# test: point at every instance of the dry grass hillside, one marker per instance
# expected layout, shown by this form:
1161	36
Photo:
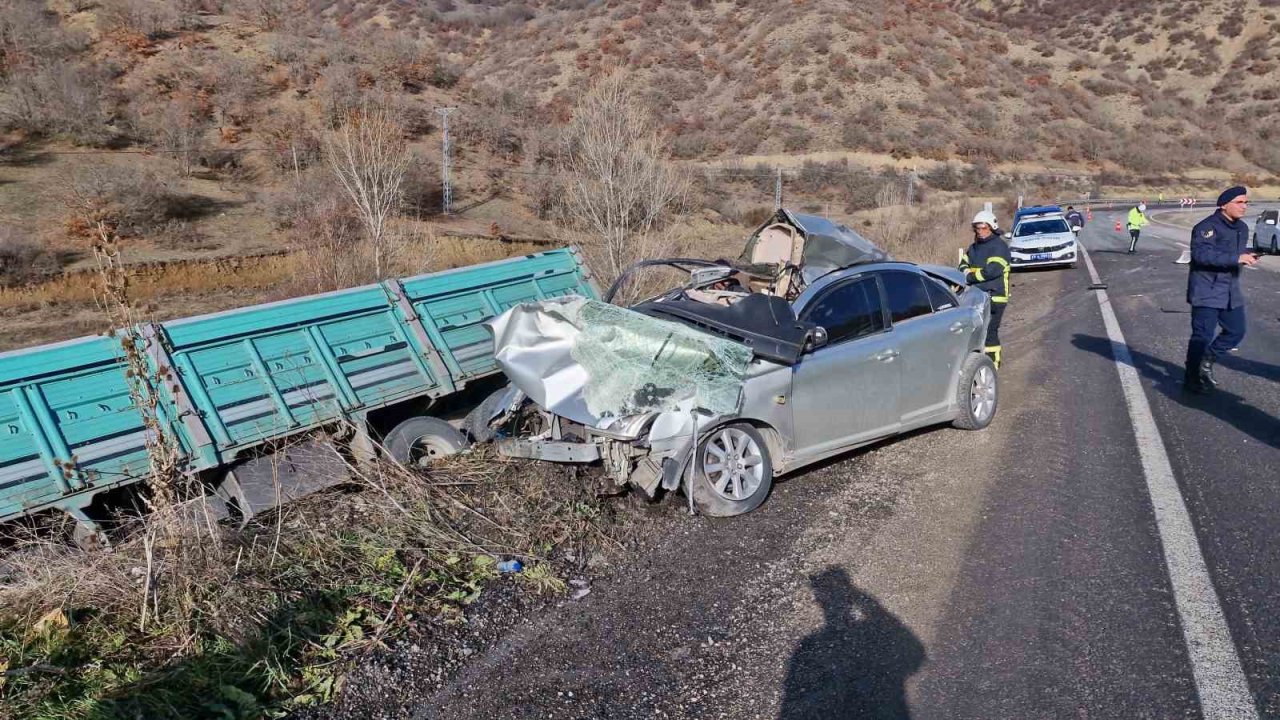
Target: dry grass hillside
202	122
1218	57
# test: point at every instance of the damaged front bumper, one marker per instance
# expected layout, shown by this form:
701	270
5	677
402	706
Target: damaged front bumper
646	451
552	450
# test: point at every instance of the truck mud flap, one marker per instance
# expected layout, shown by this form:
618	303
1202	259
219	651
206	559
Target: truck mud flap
262	483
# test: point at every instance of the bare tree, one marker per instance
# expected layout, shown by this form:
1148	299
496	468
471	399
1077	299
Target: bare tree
368	156
618	185
177	131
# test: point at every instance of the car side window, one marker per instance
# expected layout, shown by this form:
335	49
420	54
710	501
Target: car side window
848	311
907	295
939	295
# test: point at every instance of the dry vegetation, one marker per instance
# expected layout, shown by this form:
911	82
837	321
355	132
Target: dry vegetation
184	618
238	103
303	132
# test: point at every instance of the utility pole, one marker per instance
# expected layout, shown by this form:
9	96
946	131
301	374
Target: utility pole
777	191
446	183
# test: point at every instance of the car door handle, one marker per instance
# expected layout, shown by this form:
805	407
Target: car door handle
886	355
958	327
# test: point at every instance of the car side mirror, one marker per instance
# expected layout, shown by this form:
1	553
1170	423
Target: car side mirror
1008	236
817	338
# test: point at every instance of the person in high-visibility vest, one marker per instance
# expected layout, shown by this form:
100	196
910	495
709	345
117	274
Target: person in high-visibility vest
1137	221
986	264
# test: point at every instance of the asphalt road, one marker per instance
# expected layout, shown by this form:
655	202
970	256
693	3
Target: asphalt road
1017	572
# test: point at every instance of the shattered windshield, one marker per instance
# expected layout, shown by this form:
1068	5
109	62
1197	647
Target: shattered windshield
588	360
1040	227
638	364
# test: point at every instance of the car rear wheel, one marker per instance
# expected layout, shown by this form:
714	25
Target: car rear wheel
734	471
977	393
420	441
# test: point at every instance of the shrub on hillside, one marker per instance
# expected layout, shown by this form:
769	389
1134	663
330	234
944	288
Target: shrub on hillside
56	99
23	259
135	203
176	130
796	138
267	14
422	189
498	127
29	34
149	18
339	92
235	86
291	145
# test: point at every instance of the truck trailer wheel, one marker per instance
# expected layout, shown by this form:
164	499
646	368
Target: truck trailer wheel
420	441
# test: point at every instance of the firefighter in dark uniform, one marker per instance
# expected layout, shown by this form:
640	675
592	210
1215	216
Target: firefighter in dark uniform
986	264
1218	251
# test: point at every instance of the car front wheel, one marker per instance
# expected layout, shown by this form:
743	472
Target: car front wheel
977	393
734	471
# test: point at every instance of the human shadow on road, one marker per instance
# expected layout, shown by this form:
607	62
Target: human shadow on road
1222	404
1266	371
857	664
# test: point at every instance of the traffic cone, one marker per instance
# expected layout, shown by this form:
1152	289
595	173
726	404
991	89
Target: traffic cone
1088	214
1118	226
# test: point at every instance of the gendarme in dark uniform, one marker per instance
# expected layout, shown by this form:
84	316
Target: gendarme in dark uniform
1218	252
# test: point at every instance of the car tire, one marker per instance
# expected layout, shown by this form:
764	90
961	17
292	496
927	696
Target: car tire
420	441
742	477
977	395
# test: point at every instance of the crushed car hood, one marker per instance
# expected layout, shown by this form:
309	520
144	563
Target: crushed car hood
593	362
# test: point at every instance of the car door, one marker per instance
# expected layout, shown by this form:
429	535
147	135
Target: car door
846	392
932	334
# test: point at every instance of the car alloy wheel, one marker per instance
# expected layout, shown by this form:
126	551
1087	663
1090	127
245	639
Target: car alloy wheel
982	394
733	464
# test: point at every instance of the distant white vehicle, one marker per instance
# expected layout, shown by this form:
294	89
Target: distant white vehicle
1266	234
1041	237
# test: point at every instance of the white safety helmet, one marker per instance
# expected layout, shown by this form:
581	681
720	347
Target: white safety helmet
1142	207
986	217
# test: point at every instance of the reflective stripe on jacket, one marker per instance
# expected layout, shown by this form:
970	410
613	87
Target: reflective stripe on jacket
1137	220
986	264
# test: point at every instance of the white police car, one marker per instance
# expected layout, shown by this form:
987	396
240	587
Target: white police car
1041	238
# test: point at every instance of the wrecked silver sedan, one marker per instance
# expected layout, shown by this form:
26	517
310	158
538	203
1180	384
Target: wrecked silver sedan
812	344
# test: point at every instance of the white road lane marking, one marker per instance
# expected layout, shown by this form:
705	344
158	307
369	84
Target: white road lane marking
1220	681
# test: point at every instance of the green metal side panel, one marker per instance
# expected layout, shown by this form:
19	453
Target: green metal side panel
455	305
69	429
